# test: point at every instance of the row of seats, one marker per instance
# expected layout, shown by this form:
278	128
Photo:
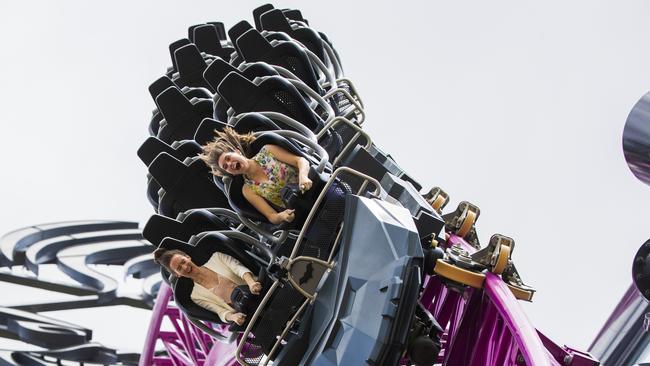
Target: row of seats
283	81
253	84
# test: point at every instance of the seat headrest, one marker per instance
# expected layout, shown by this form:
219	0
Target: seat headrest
257	13
205	131
275	20
189	60
237	30
254	122
253	46
221	30
159	86
217	71
207	40
173	47
236	90
173	104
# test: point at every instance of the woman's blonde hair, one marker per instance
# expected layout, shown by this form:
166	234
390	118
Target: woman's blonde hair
227	141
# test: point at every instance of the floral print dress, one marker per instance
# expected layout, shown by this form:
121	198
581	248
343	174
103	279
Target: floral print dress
279	174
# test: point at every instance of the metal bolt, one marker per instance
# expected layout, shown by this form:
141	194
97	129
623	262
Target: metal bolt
520	358
568	359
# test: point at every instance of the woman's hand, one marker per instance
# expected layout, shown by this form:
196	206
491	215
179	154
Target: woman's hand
238	318
255	287
304	183
280	217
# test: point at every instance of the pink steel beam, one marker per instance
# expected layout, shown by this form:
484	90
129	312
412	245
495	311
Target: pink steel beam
157	315
186	345
522	331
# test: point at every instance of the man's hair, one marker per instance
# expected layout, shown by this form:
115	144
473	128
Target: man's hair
164	256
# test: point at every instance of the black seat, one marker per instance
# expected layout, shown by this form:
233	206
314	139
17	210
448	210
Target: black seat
254	47
200	254
158	87
207	40
205	132
255	122
276	20
257	12
242	27
182	116
190	66
172	48
185	186
295	15
221	30
151	148
273	94
219	69
159	227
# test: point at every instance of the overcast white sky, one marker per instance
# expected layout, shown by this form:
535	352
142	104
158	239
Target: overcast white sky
516	106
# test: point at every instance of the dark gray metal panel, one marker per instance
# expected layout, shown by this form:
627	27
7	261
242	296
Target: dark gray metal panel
44	251
636	139
623	338
357	302
74	262
14	244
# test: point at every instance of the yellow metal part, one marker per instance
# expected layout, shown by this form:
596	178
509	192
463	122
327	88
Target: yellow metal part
438	202
502	260
521	294
460	275
434	243
466	226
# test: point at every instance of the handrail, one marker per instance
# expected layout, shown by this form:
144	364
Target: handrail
354	138
315	96
233	234
250	224
320	151
346	94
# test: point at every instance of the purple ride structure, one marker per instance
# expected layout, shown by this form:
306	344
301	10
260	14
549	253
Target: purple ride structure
373	272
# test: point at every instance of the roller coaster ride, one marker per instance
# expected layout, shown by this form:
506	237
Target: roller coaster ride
373	272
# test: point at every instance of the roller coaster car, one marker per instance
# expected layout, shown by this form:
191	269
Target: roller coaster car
359	307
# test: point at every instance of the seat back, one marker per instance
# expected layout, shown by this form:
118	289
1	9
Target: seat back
185	186
254	47
182	116
276	20
172	49
190	66
206	130
158	227
207	40
273	94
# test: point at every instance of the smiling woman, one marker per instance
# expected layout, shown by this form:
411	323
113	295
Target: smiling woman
221	283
